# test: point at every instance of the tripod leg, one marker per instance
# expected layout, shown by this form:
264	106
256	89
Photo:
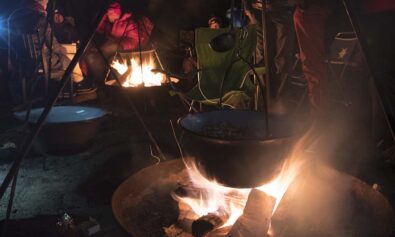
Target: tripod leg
9	207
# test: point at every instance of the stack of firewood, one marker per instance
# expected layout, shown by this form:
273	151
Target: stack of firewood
254	222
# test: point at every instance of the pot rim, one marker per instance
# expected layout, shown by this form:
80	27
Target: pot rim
104	114
233	140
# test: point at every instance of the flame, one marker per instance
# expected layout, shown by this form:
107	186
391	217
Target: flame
215	197
140	74
232	200
280	184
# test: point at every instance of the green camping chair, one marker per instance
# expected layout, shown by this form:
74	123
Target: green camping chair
215	68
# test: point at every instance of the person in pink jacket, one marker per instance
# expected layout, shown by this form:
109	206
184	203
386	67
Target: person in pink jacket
117	31
132	32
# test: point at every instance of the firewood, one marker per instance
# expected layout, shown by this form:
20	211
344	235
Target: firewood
124	76
186	214
255	220
186	217
175	231
205	224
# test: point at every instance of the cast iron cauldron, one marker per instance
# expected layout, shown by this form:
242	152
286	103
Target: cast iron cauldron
233	146
68	129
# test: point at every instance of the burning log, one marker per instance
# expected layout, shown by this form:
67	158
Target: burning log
121	77
186	214
186	217
175	231
255	220
124	76
212	221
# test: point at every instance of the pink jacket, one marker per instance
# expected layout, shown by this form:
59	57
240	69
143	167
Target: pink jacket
127	30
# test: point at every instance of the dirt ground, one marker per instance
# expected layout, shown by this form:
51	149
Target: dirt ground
82	184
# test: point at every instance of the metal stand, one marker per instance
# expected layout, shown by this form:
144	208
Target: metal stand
264	20
124	93
130	102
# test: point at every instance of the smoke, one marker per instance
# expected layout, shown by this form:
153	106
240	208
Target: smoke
323	201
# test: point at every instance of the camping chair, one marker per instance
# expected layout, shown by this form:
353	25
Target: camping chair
33	61
224	70
343	56
69	93
294	86
26	66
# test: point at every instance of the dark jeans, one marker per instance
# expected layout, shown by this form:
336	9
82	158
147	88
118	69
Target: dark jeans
280	44
93	66
310	32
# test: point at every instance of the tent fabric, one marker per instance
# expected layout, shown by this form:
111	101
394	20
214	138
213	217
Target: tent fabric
213	66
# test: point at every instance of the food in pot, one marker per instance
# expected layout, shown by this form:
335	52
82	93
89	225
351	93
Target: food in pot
224	130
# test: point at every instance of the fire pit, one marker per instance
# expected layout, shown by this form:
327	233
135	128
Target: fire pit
319	202
138	80
135	69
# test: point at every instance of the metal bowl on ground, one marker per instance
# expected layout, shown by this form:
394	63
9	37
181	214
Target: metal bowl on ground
68	129
233	146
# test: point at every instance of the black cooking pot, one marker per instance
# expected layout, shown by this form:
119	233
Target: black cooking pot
234	148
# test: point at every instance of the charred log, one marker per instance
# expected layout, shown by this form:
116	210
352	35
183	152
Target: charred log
124	76
175	231
186	217
210	222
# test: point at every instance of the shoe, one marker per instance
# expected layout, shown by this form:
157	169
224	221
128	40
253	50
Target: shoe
83	86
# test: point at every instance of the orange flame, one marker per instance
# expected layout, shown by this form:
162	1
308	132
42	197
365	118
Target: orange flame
140	74
217	197
280	184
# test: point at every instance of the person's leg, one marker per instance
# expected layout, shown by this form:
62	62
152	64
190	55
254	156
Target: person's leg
284	38
309	28
93	66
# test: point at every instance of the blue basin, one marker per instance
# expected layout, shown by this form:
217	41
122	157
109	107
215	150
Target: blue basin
68	129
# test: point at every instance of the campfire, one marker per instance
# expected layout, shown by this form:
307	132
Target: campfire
135	74
206	206
305	199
